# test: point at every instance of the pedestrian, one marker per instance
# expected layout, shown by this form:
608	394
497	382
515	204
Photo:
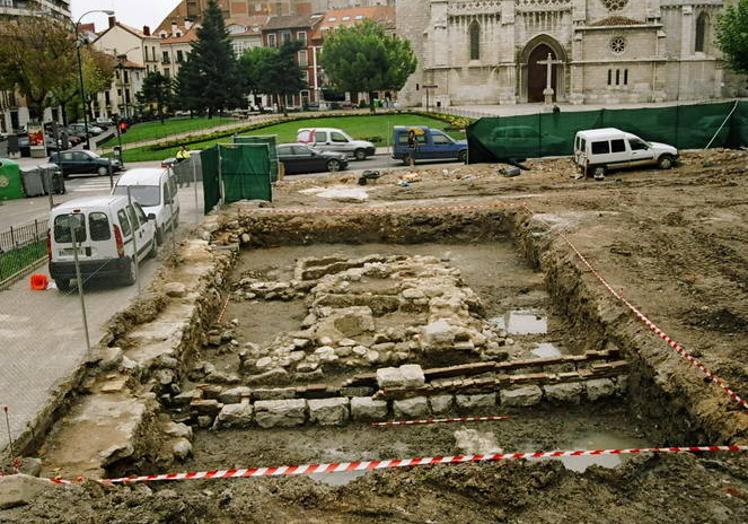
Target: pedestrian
412	145
182	177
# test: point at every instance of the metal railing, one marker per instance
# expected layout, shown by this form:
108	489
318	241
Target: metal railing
21	247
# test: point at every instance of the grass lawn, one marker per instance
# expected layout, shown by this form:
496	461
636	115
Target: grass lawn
174	126
367	127
14	261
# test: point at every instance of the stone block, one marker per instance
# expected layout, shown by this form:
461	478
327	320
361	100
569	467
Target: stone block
239	415
274	394
437	334
19	490
521	397
175	289
600	388
417	407
482	401
442	404
622	384
389	377
235	395
329	411
364	408
181	448
206	407
413	376
280	413
564	393
176	429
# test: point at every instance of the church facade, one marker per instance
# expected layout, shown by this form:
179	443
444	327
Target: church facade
586	51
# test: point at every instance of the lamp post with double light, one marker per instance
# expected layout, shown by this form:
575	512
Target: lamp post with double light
80	68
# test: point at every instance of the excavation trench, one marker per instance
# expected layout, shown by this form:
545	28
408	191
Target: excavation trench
315	305
285	353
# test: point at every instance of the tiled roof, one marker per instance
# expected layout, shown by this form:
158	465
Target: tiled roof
383	15
290	22
187	36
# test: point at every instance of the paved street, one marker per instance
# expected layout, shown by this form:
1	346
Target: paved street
41	334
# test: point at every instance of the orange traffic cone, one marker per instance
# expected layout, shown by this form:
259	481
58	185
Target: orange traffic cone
39	282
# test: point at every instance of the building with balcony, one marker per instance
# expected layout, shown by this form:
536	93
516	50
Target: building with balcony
11	8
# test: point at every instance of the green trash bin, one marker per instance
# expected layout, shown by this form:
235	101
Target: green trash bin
11	185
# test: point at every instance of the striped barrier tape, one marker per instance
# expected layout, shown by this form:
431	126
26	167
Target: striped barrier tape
375	210
372	465
223	309
422	422
657	331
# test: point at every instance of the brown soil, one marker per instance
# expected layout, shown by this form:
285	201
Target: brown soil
674	242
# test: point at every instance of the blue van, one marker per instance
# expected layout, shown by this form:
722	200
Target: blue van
429	144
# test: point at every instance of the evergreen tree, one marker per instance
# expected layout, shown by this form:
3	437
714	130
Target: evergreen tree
157	90
364	58
189	87
214	80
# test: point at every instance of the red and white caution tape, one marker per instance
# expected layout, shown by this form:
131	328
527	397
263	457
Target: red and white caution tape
371	465
422	422
657	331
374	210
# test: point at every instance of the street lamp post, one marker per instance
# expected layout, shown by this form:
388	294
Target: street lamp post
80	69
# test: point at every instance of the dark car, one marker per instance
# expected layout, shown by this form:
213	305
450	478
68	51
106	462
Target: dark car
83	162
300	158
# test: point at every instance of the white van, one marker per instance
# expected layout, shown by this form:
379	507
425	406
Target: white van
106	231
596	151
156	190
336	140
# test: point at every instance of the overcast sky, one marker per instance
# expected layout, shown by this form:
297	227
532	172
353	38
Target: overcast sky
136	13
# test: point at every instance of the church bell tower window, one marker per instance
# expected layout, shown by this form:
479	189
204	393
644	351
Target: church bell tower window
702	23
474	41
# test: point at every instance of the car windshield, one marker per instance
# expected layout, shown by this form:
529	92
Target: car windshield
146	196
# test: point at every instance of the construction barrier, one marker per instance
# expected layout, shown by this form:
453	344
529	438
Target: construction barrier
428	421
234	172
695	126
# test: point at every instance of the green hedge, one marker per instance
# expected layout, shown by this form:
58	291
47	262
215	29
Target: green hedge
11	262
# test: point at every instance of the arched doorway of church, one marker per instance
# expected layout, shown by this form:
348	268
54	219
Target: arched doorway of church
537	74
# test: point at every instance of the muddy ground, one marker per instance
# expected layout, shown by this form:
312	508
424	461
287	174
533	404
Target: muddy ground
674	242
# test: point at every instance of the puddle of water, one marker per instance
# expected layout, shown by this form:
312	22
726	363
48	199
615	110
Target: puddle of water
546	350
599	440
522	322
337	479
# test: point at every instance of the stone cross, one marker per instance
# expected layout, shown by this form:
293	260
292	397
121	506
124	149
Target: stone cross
548	91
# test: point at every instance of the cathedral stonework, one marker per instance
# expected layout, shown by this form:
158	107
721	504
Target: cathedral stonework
571	51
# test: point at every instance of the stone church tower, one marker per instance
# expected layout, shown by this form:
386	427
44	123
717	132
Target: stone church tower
601	51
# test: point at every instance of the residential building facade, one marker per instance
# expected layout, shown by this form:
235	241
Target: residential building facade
282	29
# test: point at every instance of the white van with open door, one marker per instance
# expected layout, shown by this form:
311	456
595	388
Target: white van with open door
156	190
107	229
597	151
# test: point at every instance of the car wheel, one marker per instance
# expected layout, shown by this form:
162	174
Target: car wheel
665	162
360	154
599	173
462	157
333	165
63	284
103	171
153	253
131	274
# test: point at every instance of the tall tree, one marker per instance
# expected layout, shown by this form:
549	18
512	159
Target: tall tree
37	57
364	58
188	88
157	90
275	72
252	67
214	65
98	71
732	36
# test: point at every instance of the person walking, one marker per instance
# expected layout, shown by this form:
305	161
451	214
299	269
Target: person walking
183	178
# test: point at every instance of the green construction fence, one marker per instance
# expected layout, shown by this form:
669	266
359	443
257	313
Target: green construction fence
236	172
694	126
270	140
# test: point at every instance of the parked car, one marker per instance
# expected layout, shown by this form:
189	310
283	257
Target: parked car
93	130
83	162
23	145
328	139
300	158
103	123
596	151
105	227
156	190
430	144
